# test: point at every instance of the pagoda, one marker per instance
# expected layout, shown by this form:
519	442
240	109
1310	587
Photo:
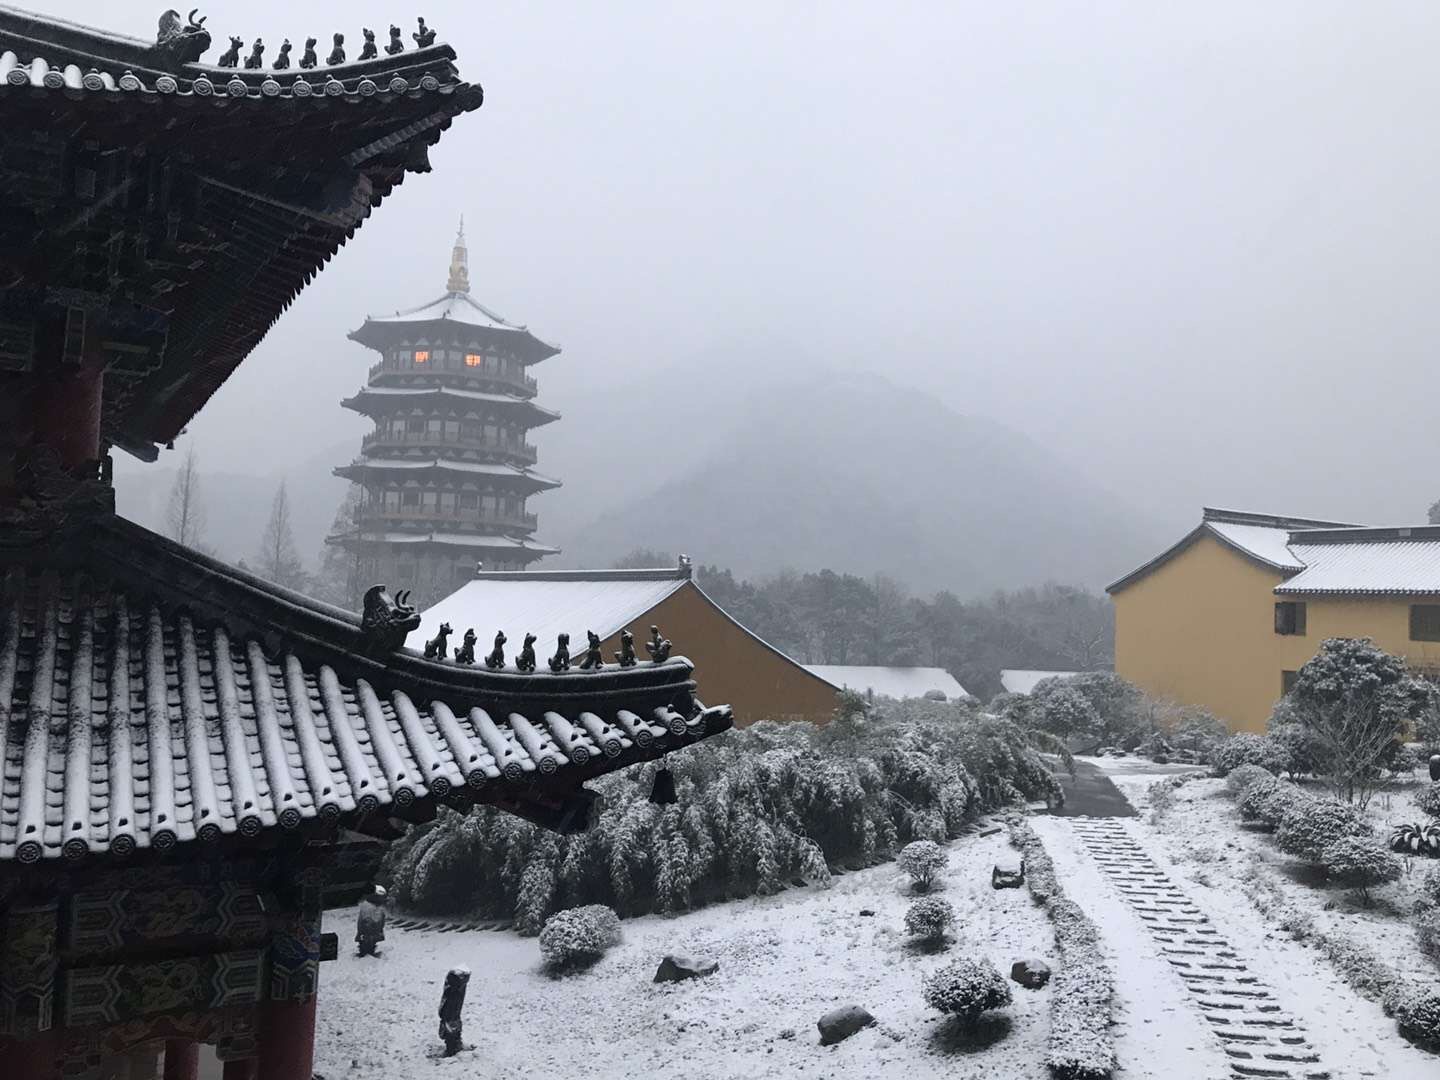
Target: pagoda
195	763
447	472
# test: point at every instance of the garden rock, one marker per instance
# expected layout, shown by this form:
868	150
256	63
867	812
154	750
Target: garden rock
1435	766
1007	875
1031	974
680	968
839	1024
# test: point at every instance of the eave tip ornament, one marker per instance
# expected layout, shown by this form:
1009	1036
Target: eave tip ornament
178	43
386	621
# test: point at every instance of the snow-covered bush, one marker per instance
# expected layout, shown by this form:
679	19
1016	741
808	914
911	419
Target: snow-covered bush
966	989
1065	713
1428	799
578	936
922	860
1360	861
1430	888
1267	801
1427	932
1242	776
928	918
1310	825
1197	731
1416	1009
1247	748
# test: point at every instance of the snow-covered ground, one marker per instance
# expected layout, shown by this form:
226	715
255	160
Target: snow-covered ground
784	961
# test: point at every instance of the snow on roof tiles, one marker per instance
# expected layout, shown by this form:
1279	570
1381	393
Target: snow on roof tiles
1024	681
892	682
1403	561
1269	545
549	603
456	306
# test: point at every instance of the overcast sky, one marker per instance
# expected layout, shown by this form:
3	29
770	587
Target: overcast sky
1191	246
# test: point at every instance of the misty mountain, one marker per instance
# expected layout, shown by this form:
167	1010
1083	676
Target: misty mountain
857	474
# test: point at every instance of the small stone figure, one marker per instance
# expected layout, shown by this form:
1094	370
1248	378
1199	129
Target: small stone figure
424	37
438	647
526	660
452	1000
593	659
496	660
396	46
465	654
337	54
370	923
180	43
368	51
385	623
658	647
231	56
561	660
626	656
282	58
254	60
308	59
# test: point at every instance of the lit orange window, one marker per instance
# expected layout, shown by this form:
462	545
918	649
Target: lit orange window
473	359
422	355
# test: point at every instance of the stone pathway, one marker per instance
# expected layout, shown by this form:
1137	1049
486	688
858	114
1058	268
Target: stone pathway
1259	1037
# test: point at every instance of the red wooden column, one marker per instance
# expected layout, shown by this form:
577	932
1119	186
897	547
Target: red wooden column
287	1040
182	1060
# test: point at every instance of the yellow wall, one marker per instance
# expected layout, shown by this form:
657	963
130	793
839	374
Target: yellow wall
1200	630
732	667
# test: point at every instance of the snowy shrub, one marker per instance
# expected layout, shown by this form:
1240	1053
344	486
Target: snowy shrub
1428	799
928	918
1427	933
1065	713
578	936
1416	1009
1399	759
1267	801
1197	731
1360	861
1310	825
1120	710
922	860
1247	748
1039	869
1430	889
1242	776
966	989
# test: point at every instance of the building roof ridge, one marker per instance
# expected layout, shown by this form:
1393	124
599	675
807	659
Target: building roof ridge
1273	521
1366	534
662	573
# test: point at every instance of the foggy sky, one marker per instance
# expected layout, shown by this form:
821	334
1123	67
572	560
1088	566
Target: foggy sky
1191	247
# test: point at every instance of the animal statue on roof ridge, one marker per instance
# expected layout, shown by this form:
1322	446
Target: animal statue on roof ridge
424	37
526	660
337	54
368	51
626	656
386	621
231	57
179	43
255	60
396	46
465	654
561	660
438	647
308	59
658	647
593	657
282	58
496	658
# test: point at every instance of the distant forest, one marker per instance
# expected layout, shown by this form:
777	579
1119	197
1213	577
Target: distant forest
830	618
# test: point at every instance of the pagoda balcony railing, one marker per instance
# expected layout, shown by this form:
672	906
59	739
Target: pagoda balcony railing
524	382
514	447
409	515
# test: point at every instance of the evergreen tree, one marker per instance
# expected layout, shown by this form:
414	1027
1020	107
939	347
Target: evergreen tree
336	581
278	559
185	516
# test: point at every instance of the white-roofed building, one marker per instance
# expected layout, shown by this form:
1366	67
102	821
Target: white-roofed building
733	664
1024	681
1228	615
891	682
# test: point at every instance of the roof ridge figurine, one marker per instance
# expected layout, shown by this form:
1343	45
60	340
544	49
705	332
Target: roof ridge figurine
282	58
424	37
658	647
561	660
231	57
396	46
438	647
368	51
593	658
385	621
626	656
526	660
496	659
309	58
257	51
465	654
181	43
337	54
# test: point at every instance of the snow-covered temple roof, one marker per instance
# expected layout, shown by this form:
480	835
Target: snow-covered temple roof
891	682
1024	680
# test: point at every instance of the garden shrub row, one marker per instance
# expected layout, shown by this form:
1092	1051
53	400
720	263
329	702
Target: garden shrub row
1081	1045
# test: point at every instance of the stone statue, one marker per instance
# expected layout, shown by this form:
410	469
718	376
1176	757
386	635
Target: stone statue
424	37
255	60
561	660
626	656
282	58
496	659
385	623
526	660
231	56
593	659
370	923
396	46
658	647
438	647
177	43
369	51
465	654
337	54
452	1000
308	59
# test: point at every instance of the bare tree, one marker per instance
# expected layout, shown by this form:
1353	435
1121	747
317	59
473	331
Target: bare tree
278	560
185	516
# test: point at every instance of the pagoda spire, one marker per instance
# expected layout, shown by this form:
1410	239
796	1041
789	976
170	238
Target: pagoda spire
459	263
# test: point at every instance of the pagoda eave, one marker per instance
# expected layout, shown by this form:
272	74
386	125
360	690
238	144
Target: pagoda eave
376	401
509	476
512	547
383	334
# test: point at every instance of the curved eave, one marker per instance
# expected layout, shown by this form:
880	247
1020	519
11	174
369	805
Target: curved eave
460	541
372	401
533	482
382	334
